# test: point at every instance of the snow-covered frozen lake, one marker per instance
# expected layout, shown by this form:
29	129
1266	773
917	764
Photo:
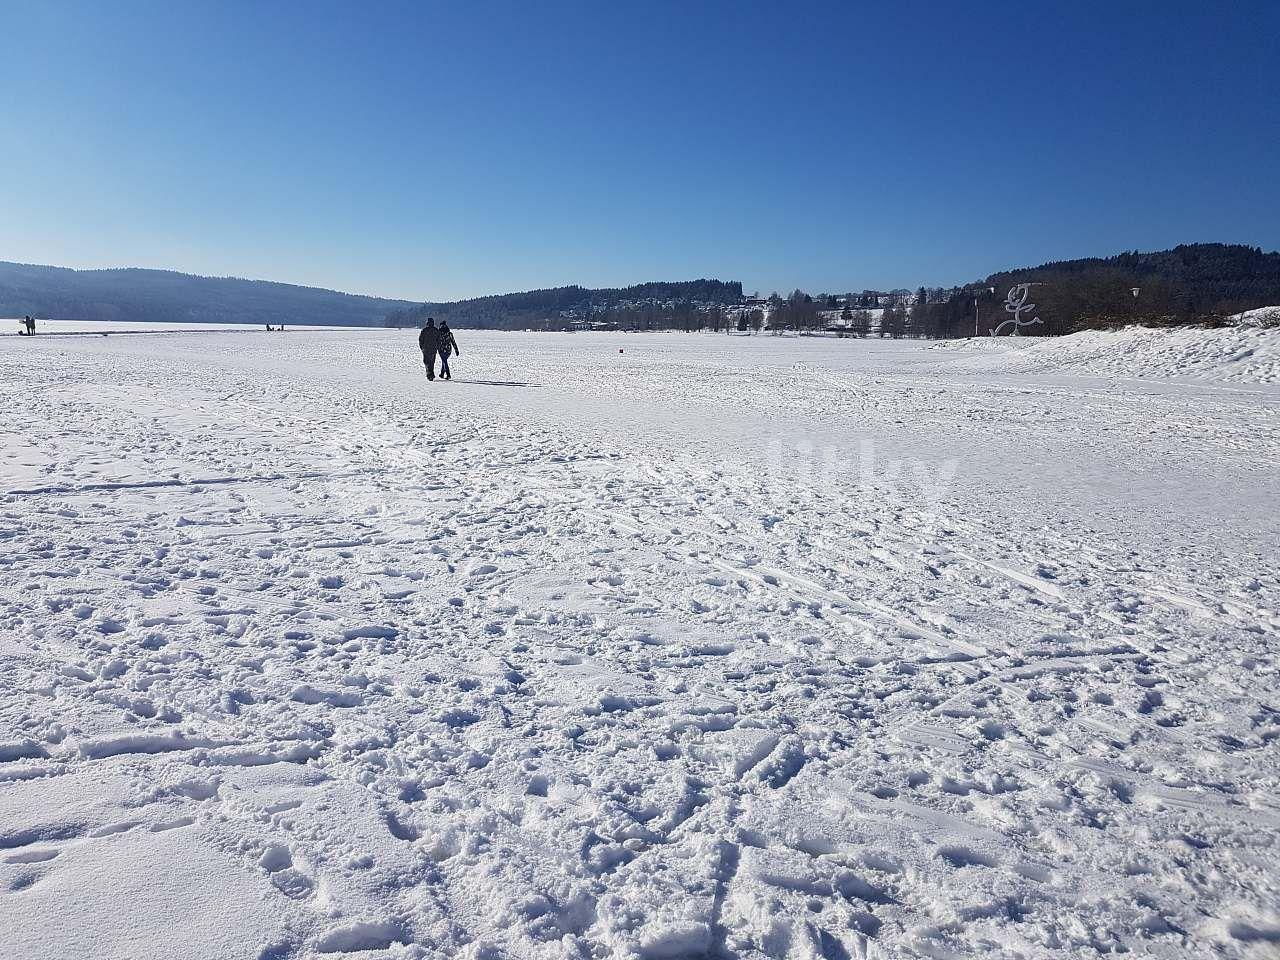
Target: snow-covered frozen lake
639	646
10	327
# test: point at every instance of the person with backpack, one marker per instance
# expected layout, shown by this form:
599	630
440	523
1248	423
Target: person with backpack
429	343
446	345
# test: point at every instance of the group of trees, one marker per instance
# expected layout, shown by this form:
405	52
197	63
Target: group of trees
902	314
680	314
951	313
798	311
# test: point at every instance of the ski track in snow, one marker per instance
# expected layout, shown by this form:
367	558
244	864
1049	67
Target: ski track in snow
306	657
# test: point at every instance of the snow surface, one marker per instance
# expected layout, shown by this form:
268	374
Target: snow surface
637	646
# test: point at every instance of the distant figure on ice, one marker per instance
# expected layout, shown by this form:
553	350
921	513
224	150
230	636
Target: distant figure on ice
429	342
30	324
446	346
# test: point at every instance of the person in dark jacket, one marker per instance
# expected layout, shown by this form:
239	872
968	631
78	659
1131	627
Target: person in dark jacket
31	326
446	346
429	342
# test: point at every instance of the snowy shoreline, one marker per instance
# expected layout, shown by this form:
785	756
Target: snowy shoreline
65	328
1248	352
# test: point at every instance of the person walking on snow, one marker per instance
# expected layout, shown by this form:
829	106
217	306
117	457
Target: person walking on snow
429	342
31	326
446	346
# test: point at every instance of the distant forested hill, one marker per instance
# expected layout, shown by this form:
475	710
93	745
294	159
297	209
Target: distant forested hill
1190	282
534	307
163	295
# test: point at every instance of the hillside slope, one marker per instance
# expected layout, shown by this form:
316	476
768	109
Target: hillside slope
166	296
1189	282
533	307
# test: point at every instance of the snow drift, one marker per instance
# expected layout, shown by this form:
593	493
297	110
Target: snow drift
1248	352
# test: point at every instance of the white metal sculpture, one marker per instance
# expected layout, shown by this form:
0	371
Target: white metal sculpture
1016	303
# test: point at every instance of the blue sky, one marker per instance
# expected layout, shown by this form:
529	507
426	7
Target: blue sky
436	151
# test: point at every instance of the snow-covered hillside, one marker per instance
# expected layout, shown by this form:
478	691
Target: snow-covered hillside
637	646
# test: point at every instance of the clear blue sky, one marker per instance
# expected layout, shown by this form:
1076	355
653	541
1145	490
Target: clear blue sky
435	151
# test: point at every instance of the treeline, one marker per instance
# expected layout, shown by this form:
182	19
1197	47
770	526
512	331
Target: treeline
645	304
1192	283
134	295
679	314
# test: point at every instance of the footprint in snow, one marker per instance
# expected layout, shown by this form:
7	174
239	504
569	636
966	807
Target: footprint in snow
277	861
958	856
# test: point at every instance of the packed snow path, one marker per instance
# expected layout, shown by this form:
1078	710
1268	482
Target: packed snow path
735	647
